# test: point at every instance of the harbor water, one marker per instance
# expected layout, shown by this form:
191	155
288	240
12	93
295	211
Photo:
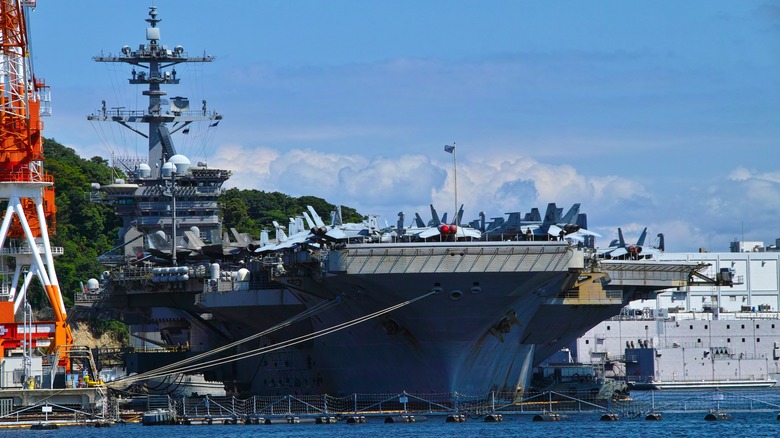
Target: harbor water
754	424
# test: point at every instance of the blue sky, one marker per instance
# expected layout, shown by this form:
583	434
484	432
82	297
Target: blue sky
663	114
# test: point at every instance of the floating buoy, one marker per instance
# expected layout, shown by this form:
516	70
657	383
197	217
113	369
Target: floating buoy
44	426
654	416
610	417
717	416
456	418
548	416
400	419
494	418
326	420
356	419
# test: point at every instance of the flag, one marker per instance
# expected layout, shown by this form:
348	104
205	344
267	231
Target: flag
448	148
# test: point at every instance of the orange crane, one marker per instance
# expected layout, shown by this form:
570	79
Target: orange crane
30	214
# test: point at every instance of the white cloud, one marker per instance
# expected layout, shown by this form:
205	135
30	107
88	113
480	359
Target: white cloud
740	174
385	185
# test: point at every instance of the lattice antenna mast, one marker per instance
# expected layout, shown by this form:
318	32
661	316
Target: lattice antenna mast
154	65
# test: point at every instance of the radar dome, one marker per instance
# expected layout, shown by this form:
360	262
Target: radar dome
181	162
144	171
93	285
243	275
167	169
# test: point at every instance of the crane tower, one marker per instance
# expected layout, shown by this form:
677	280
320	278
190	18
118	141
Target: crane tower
28	192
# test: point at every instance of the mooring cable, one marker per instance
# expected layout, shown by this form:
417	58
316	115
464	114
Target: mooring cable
307	313
262	350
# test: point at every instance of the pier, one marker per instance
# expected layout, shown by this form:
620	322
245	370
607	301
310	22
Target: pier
90	407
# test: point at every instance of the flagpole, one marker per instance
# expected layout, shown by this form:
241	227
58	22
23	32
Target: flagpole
455	173
452	150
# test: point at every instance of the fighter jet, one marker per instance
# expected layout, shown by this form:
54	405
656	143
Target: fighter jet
619	249
437	227
533	227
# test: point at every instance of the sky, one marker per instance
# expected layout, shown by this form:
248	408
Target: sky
661	114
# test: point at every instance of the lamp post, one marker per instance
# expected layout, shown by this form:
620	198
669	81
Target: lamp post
171	191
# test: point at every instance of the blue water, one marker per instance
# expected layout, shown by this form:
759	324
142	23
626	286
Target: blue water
752	424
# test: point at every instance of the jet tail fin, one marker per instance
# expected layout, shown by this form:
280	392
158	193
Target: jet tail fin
435	217
418	221
549	215
193	240
641	240
571	215
317	219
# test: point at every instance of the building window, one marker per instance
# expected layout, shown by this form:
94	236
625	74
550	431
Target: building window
587	341
757	326
607	327
705	326
743	339
743	325
728	326
698	340
691	326
728	339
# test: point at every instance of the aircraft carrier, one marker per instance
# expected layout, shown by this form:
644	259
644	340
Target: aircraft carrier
339	308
